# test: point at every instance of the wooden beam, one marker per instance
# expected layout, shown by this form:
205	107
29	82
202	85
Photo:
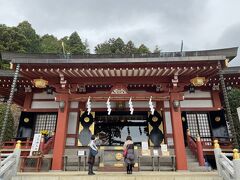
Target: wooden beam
117	97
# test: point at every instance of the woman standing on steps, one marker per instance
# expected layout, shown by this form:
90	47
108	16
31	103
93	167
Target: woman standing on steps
93	150
128	150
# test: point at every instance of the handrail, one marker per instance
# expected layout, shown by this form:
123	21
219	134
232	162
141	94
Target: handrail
226	159
10	156
192	145
196	148
226	168
225	142
11	144
8	167
48	145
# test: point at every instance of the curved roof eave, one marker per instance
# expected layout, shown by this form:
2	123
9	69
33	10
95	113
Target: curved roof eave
229	53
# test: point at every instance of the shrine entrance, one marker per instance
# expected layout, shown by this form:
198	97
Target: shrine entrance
113	129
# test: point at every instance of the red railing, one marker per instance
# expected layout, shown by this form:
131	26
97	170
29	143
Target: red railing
48	145
192	145
11	144
27	144
197	149
225	142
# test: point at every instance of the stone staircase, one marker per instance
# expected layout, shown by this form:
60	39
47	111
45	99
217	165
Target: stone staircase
119	176
193	164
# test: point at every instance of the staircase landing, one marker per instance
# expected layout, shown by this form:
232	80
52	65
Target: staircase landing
119	176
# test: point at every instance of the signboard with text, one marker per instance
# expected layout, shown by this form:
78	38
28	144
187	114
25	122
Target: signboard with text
35	143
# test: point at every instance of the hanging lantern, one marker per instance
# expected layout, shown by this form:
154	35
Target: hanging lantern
40	83
198	81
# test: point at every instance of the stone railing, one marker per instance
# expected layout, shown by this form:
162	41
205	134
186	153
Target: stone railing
228	169
9	164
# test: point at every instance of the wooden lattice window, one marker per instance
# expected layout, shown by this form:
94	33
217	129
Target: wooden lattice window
198	123
45	122
192	124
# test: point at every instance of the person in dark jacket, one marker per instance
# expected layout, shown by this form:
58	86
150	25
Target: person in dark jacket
129	156
93	150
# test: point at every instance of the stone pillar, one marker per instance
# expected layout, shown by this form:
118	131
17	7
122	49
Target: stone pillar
61	131
217	152
236	164
178	138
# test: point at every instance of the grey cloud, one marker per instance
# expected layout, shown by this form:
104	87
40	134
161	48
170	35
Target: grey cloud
48	15
152	22
231	38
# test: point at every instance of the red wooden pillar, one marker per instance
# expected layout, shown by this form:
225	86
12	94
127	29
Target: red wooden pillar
41	147
178	138
27	101
60	135
201	160
216	99
188	137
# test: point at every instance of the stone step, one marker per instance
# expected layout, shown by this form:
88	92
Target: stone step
189	160
193	164
199	169
119	176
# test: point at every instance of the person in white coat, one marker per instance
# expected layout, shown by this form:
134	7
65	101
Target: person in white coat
93	150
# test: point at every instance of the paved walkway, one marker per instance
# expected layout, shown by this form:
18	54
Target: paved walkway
118	176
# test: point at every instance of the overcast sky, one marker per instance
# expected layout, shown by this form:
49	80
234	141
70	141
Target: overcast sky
201	24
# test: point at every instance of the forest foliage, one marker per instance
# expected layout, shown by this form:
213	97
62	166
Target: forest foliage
10	127
234	101
24	39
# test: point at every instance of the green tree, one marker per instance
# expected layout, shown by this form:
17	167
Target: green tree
50	44
130	48
117	46
33	40
76	45
103	48
143	49
11	39
10	129
234	101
